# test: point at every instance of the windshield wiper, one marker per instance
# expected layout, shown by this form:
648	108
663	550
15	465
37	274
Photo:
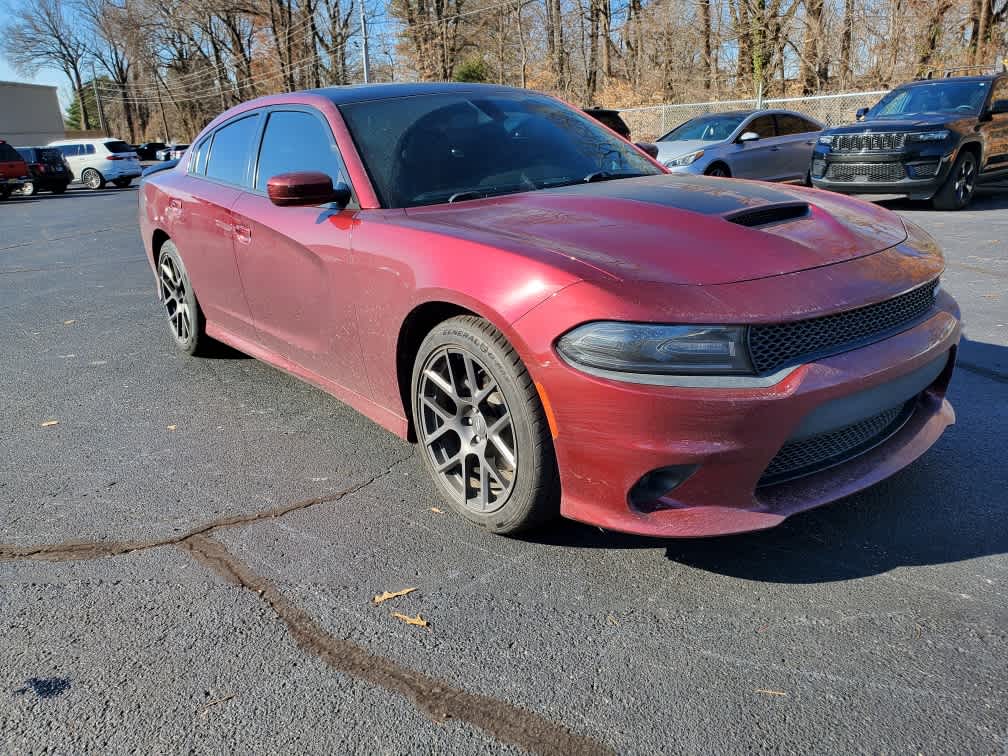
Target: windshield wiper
609	176
471	194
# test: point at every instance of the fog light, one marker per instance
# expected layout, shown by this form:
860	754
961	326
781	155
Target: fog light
818	168
647	492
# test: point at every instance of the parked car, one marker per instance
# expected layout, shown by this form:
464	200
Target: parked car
774	145
928	140
13	170
47	170
166	152
562	326
614	121
96	161
148	150
177	151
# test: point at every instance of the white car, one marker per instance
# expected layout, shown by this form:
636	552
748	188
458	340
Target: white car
96	161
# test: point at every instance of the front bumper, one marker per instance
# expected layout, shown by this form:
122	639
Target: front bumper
610	434
908	163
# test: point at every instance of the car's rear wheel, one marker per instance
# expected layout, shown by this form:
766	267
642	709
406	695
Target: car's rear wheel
4	194
122	183
29	189
957	191
92	179
718	169
186	322
484	434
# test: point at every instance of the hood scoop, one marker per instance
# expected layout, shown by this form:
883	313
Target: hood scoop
766	215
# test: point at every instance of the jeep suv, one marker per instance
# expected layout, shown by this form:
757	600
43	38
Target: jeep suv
929	139
13	170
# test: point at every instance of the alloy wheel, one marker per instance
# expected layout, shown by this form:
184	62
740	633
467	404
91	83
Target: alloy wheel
965	180
717	171
467	429
174	289
92	179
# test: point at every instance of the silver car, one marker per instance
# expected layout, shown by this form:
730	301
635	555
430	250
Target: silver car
773	145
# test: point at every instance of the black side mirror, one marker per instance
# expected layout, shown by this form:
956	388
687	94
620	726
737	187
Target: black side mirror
860	113
648	147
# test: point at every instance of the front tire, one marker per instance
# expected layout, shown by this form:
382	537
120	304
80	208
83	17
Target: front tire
719	170
479	421
186	322
92	179
28	189
957	191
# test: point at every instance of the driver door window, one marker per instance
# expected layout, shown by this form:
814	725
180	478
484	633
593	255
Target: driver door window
297	141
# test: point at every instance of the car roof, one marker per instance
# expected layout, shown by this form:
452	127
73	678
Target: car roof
345	95
89	140
940	80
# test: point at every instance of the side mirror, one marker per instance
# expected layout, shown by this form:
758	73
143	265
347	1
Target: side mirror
748	136
306	188
998	107
649	148
860	113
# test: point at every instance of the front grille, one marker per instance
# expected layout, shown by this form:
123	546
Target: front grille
868	142
798	458
865	171
775	345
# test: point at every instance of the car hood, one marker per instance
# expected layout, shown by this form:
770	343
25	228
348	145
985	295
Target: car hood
917	121
679	230
669	150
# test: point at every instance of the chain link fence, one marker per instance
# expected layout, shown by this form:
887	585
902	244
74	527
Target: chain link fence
649	123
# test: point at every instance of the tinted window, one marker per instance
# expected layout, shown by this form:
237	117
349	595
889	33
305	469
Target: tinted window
197	157
1000	90
69	150
229	153
711	128
8	153
789	124
89	149
297	141
764	126
453	147
964	97
117	146
27	153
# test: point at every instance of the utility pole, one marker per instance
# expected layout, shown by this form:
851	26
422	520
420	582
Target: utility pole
164	120
101	111
363	26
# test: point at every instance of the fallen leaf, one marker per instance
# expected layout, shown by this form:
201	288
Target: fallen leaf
435	510
69	322
216	702
383	597
418	620
50	423
612	620
172	427
769	692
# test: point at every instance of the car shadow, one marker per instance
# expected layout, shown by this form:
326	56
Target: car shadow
948	506
988	197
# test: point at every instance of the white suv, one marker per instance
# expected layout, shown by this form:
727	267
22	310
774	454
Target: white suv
95	161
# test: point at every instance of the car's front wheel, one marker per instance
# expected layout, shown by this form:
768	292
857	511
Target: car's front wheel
478	418
92	179
29	189
718	169
957	191
186	322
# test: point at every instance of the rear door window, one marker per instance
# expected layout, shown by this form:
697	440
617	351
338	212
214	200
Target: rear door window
296	140
89	149
231	149
790	124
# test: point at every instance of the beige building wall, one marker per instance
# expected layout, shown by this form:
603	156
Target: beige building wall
29	114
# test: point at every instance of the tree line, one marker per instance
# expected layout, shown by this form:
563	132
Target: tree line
164	68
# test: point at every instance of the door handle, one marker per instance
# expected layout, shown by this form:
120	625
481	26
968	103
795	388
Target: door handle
243	233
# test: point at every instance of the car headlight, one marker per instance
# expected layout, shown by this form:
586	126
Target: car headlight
661	349
685	159
826	140
928	136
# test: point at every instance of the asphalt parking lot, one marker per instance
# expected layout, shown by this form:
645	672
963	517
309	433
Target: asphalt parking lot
189	549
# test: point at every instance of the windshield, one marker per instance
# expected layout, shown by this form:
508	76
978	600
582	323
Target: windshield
438	148
711	128
966	97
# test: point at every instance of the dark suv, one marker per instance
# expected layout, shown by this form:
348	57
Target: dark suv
47	170
929	139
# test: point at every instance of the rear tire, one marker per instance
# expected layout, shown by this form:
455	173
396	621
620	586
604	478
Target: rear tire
484	435
957	191
5	194
186	322
122	183
718	169
92	179
28	189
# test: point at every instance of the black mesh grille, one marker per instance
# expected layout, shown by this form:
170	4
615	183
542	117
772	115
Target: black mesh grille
924	170
865	171
797	458
864	142
772	346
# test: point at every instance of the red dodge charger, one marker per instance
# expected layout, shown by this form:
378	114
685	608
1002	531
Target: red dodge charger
559	324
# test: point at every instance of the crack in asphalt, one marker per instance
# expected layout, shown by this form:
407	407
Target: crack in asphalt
438	699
